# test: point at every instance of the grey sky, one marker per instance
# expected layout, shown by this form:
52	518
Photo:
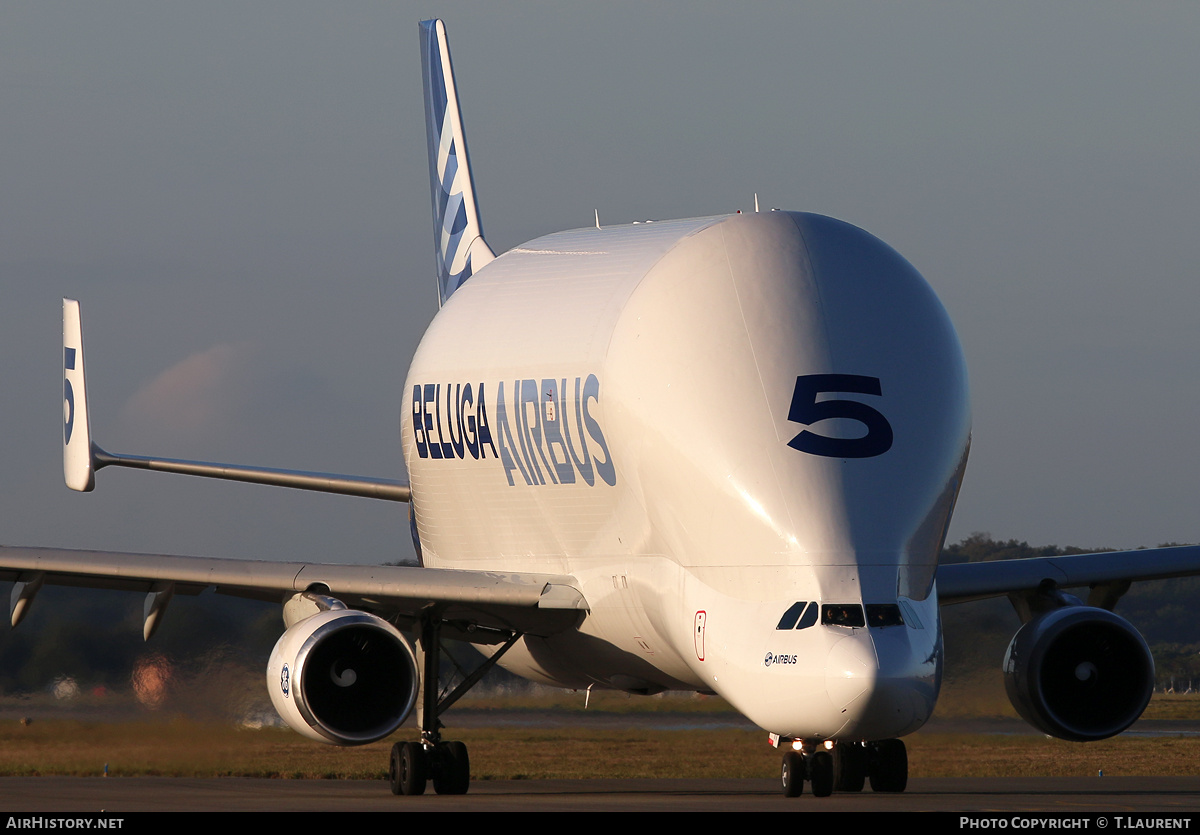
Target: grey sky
237	193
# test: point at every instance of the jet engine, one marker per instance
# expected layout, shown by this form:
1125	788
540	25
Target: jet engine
1079	673
344	677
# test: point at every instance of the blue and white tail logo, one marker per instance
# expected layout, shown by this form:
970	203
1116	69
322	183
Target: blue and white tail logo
457	233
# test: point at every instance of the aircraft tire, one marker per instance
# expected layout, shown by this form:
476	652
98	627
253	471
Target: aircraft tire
820	772
888	766
792	774
394	769
850	766
452	768
408	769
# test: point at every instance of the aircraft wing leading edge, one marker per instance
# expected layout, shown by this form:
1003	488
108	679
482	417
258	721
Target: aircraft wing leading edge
538	604
963	582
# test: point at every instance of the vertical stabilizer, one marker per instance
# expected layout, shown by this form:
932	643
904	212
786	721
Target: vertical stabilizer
457	233
77	438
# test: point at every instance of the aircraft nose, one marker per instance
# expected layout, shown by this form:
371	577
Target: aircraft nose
878	689
851	669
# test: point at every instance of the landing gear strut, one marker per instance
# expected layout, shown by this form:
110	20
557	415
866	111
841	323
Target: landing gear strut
844	766
414	764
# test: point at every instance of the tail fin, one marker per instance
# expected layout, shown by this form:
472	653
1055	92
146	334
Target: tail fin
457	233
77	437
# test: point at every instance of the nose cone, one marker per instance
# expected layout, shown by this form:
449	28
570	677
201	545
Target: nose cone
851	670
877	686
825	681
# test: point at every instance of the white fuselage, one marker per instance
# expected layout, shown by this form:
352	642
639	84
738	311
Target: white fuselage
617	405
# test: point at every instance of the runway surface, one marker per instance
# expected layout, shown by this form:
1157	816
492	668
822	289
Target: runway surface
1063	795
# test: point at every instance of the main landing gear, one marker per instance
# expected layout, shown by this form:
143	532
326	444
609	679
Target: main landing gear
844	766
414	764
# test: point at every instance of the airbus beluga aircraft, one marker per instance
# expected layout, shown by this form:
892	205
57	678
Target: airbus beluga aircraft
717	454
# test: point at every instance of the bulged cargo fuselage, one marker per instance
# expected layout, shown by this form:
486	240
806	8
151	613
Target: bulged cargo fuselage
711	424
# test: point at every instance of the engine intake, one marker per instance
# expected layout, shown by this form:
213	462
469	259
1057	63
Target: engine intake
343	676
1079	673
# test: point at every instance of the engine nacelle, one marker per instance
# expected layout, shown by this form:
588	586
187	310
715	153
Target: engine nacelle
343	676
1079	673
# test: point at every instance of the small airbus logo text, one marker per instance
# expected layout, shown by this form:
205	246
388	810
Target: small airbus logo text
529	429
778	658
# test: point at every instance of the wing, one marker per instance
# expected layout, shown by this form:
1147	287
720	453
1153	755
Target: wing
1103	572
479	603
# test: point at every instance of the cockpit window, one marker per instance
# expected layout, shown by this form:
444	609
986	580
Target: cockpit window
884	614
910	614
791	615
799	616
842	614
810	616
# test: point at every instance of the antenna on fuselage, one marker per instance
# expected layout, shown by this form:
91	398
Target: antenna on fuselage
597	218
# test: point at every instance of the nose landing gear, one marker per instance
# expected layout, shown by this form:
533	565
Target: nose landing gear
844	765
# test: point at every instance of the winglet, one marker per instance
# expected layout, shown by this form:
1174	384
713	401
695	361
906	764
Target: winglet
457	232
78	466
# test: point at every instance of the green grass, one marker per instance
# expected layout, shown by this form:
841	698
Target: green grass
189	749
994	755
156	745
